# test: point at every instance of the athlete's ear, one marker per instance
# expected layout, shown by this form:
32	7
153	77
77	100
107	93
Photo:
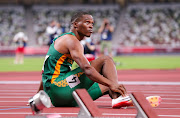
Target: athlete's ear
75	24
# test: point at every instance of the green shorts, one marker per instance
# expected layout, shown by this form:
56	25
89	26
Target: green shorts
60	91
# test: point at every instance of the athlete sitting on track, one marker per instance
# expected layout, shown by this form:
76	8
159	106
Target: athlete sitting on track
98	77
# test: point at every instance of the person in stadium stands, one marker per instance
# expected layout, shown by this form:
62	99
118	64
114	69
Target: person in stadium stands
98	77
20	39
89	46
106	31
53	30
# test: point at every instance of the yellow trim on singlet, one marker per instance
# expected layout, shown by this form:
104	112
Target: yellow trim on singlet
58	66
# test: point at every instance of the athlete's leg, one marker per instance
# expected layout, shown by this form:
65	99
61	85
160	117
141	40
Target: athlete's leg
105	66
95	91
60	90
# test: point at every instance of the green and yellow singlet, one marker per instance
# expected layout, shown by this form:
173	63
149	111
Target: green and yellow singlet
56	64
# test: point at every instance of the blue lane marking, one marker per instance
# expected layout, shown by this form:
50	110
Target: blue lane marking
14	108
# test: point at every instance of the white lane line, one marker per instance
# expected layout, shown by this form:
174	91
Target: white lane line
169	103
19	101
13	101
29	113
109	102
170	99
163	95
17	94
118	114
19	82
151	89
175	116
167	108
14	97
13	113
135	115
18	90
155	91
121	82
13	106
144	92
102	107
148	83
33	91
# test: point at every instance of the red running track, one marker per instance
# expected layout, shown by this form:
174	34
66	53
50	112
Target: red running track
17	87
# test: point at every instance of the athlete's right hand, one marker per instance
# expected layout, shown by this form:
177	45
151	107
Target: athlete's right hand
118	88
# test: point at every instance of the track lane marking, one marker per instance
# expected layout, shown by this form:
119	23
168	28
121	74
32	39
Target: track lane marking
122	82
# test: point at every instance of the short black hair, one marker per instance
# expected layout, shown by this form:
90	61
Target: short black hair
78	15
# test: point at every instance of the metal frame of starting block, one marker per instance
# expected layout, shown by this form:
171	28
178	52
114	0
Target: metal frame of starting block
140	113
87	108
145	110
84	112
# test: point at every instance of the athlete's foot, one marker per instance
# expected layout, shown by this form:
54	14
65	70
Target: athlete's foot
126	101
122	102
154	100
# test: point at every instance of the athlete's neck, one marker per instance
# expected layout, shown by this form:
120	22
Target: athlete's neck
77	34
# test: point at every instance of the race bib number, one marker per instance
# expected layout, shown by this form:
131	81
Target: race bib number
72	81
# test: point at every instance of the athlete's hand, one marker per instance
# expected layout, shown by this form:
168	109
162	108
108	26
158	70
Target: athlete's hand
118	88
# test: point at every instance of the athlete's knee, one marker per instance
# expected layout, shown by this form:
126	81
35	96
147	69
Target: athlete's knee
107	58
98	63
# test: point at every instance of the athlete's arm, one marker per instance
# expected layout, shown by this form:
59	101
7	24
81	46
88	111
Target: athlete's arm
77	53
70	44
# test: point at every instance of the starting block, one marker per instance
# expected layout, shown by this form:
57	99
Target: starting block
87	107
143	107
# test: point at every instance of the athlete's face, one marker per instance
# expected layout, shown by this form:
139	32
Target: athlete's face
85	25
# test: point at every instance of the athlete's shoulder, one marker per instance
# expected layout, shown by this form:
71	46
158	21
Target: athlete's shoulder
70	38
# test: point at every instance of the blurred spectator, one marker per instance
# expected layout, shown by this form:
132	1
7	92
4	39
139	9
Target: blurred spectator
11	21
51	30
89	46
59	30
106	31
20	39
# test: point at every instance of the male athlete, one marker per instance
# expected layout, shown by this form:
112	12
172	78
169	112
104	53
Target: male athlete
98	77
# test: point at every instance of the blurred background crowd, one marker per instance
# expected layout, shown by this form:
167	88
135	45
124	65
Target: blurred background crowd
151	25
136	22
